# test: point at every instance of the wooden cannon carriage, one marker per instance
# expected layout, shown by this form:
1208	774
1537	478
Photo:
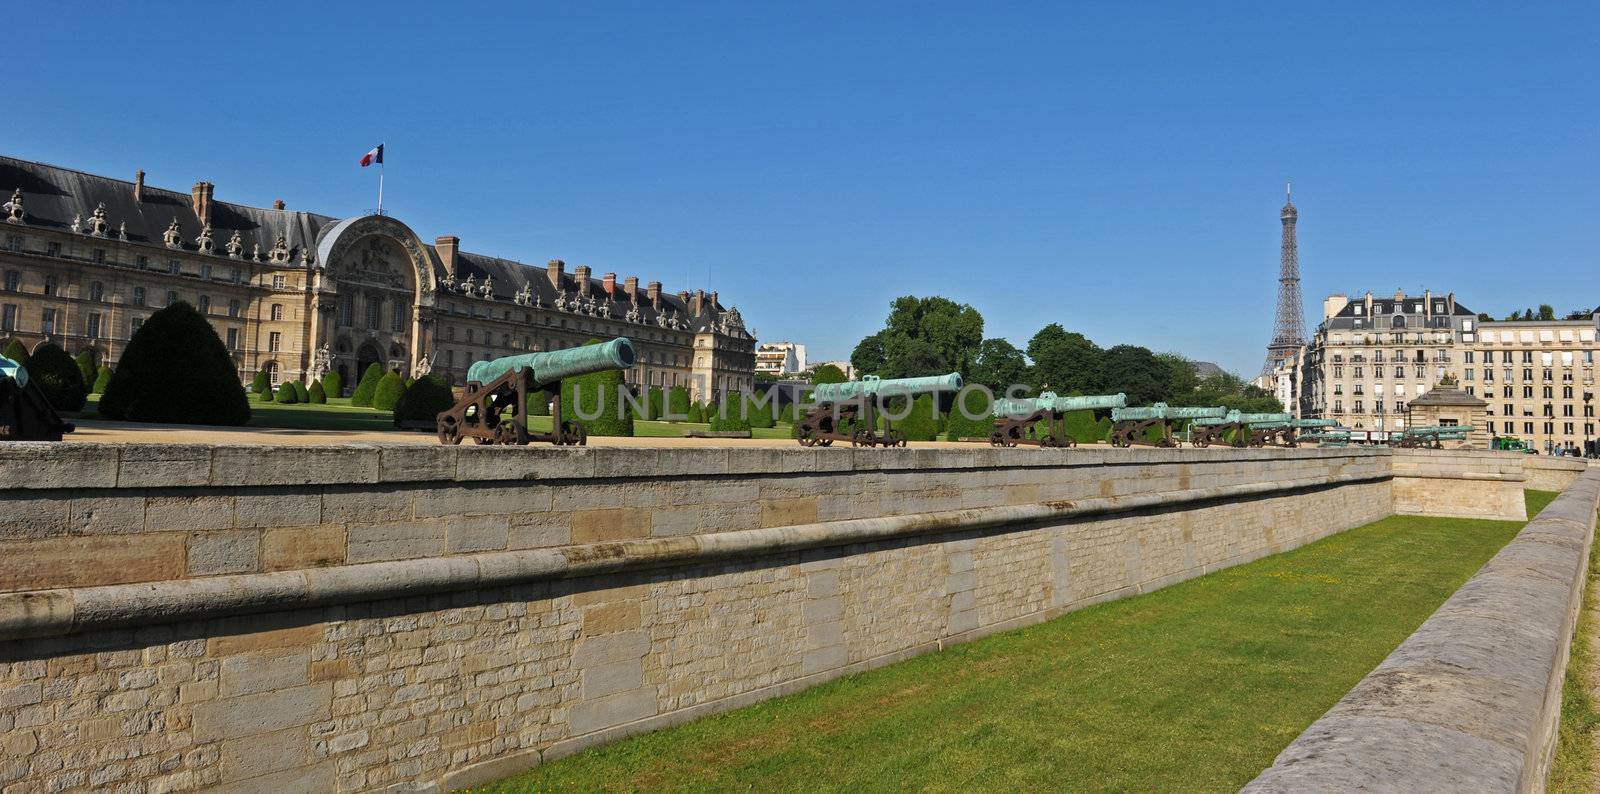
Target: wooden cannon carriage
1017	420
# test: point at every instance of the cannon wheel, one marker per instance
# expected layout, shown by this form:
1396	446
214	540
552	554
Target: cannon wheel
574	434
895	438
1201	440
861	438
998	438
449	431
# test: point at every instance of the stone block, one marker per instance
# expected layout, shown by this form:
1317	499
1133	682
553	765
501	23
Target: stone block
291	637
45	465
674	521
190	511
824	610
479	499
89	561
623	707
253	756
308	465
314	779
617	647
539	530
365	505
532	462
278	509
626	462
623	523
295	548
830	658
788	512
612	677
264	712
609	618
39	514
229	551
247	674
822	584
467	534
104	515
416	463
163	465
400	540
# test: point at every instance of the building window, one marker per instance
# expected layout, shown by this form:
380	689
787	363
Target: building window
233	275
1466	374
233	307
8	317
98	255
205	304
49	285
398	320
142	261
274	342
374	312
172	297
272	372
134	325
233	338
52	249
276	313
1527	427
97	291
47	322
91	325
13	280
205	272
346	310
13	242
279	282
172	266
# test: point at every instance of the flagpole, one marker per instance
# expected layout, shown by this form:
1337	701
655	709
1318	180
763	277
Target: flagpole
380	188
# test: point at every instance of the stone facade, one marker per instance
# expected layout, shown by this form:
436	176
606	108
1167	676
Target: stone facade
380	616
1538	378
87	258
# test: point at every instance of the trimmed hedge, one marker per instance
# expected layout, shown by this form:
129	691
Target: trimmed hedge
286	394
175	369
656	399
727	414
602	390
58	376
332	385
920	425
102	377
86	367
424	400
315	394
368	386
538	403
761	411
387	395
16	351
261	386
959	426
697	413
301	393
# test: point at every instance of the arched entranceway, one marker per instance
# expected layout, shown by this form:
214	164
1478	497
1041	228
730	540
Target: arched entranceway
368	355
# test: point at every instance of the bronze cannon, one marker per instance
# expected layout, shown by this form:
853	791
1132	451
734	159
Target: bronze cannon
1016	420
850	411
1132	425
494	409
25	413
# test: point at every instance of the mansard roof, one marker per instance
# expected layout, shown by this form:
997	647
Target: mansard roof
53	197
1391	304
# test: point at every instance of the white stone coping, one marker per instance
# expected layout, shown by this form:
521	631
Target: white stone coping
40	465
43	613
1471	700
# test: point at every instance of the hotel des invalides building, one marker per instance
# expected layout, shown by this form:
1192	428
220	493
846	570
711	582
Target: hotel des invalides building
85	259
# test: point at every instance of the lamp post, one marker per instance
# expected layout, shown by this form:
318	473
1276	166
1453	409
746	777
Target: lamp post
1588	416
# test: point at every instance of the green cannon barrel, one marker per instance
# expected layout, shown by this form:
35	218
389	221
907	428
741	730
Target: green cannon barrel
1231	417
1269	425
1316	422
1254	419
1050	401
874	385
1164	411
13	371
1422	430
555	365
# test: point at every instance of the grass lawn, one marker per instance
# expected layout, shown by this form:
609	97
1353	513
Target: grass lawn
1574	767
339	414
1194	687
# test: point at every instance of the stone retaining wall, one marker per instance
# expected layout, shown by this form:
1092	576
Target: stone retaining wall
1475	484
348	619
1471	701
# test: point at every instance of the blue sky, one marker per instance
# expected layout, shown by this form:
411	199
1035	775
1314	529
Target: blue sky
1116	168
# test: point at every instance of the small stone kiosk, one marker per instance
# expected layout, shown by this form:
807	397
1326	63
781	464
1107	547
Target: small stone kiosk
1447	404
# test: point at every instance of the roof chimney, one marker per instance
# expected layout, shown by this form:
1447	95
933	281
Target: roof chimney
630	285
201	193
713	300
447	247
581	273
277	204
555	270
1450	302
138	185
698	304
653	292
609	281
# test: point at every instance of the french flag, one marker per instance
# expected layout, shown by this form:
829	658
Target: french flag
374	156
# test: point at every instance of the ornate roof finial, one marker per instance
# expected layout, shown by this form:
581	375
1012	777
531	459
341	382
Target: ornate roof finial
280	250
97	221
235	246
173	236
122	231
13	207
204	241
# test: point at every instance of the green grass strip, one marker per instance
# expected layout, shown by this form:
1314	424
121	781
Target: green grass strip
1194	687
1574	767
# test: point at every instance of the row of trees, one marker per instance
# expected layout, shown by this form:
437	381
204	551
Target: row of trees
935	335
1546	313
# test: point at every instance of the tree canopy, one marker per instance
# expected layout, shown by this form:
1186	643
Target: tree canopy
922	336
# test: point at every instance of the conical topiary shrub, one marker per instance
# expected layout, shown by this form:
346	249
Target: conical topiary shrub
677	404
102	377
175	369
58	377
301	394
597	391
368	386
16	351
315	394
389	391
261	386
333	385
286	394
86	367
425	399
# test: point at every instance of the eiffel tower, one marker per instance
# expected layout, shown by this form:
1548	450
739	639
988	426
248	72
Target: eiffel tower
1289	330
